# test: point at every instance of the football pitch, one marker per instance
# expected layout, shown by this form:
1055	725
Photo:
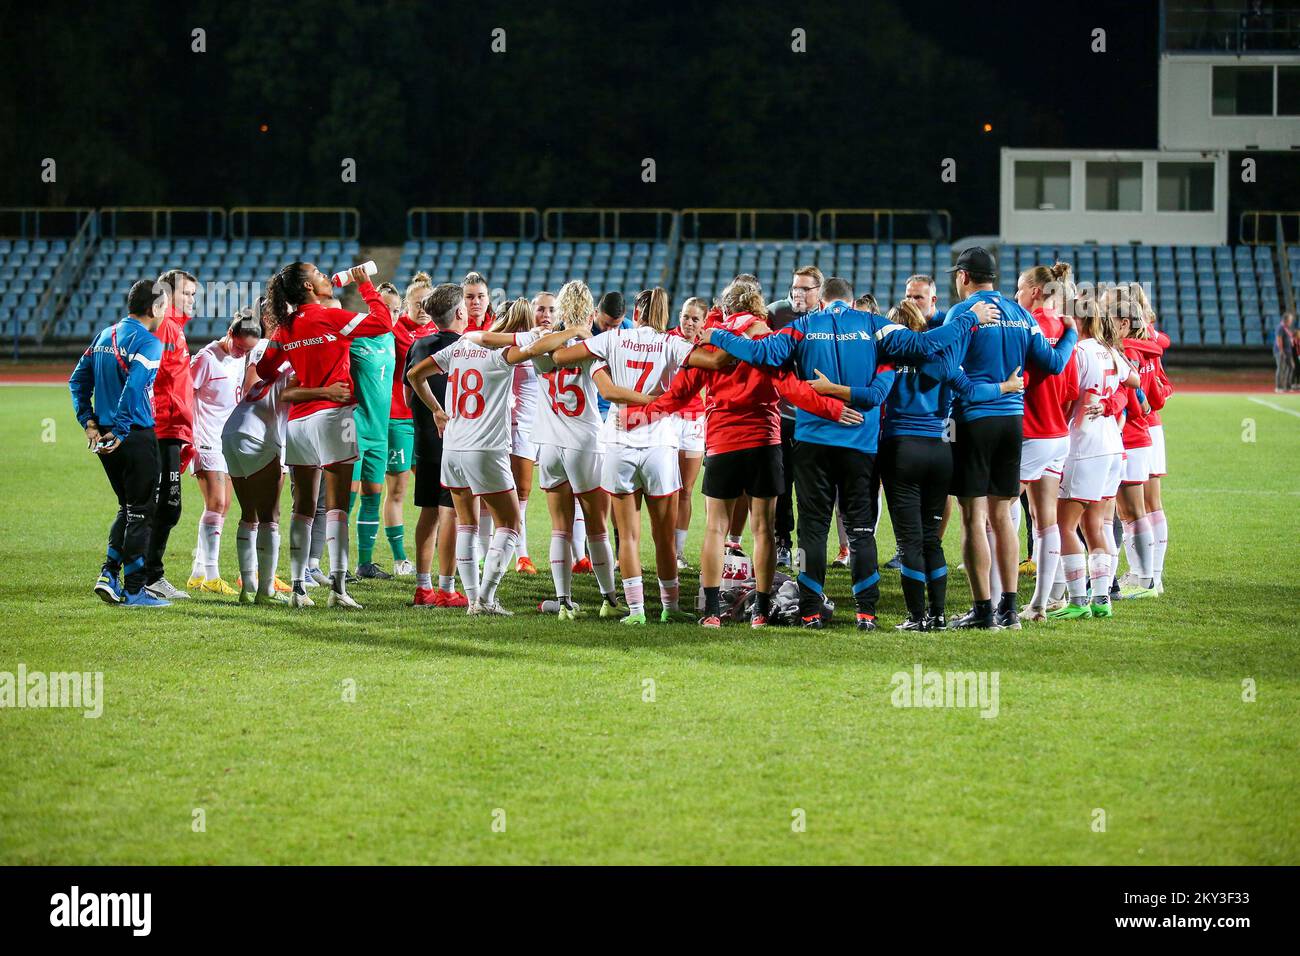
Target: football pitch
228	734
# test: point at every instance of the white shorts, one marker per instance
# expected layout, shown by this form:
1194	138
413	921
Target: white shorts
653	470
521	445
326	437
246	456
1039	455
579	467
1158	464
1092	479
1137	465
479	471
690	435
207	458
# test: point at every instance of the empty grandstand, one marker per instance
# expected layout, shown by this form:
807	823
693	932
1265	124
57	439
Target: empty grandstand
55	290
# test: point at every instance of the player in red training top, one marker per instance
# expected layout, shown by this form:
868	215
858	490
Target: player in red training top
690	428
1043	291
477	305
1142	352
743	446
315	336
173	408
413	323
1154	503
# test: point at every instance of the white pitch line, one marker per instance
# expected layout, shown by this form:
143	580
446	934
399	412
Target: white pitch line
1276	408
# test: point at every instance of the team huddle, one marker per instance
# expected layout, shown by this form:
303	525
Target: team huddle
804	412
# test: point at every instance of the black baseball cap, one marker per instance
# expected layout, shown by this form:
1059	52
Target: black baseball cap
976	259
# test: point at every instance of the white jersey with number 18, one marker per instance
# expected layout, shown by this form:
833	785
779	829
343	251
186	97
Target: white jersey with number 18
643	360
477	400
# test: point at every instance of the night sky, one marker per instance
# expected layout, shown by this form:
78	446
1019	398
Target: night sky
584	92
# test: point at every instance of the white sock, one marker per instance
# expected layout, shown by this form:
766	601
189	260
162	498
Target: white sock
268	556
679	539
504	542
424	580
299	547
1076	580
210	526
246	553
484	530
1100	570
522	550
447	582
669	592
336	544
1145	550
1112	549
578	540
1130	547
561	569
1058	583
602	563
466	562
1047	555
635	595
1159	541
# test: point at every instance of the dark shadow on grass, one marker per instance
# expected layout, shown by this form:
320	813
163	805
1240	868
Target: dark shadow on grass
1160	637
1170	636
386	623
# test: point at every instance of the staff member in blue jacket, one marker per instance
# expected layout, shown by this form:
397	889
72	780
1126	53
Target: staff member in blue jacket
111	396
853	348
915	464
989	435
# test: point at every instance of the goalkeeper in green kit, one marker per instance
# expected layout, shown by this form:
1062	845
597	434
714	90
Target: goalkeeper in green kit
373	360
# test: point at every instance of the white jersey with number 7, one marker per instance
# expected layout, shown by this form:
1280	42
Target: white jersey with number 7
643	360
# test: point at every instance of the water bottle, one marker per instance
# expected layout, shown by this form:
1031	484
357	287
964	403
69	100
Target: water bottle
340	279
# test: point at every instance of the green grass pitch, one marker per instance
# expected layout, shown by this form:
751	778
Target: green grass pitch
527	741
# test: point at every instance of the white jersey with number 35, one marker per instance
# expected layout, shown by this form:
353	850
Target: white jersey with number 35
477	400
643	360
1102	371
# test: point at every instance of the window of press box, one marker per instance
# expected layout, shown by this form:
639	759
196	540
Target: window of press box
1243	91
1114	187
1288	91
1185	187
1043	185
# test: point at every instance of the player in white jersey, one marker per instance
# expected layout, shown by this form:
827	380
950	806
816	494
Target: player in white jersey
642	459
476	451
523	412
567	433
253	444
217	371
1094	464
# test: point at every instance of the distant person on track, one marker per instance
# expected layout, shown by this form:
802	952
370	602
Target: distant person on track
1284	355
